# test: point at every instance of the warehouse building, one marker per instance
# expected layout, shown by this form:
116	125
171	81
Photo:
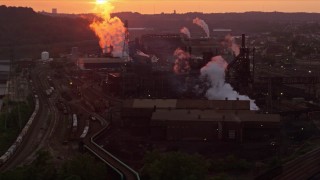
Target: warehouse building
212	125
100	63
199	120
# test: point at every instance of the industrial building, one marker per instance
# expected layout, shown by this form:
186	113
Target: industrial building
130	84
199	120
100	63
4	79
210	125
198	46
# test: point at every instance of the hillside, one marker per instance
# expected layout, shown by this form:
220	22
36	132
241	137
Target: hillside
22	29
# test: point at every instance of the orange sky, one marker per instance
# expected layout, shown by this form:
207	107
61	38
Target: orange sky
167	6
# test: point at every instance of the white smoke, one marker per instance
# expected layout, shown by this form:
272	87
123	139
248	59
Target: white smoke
214	73
203	25
232	44
185	31
181	64
153	58
140	53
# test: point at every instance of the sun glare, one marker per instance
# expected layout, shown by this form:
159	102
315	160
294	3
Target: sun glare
101	1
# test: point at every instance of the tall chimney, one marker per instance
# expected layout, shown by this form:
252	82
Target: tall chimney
243	41
126	25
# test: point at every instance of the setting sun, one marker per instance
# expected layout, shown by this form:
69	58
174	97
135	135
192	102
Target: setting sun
101	1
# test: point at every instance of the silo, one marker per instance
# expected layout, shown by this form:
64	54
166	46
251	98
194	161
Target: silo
45	56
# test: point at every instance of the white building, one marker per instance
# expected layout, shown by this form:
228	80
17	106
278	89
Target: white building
45	56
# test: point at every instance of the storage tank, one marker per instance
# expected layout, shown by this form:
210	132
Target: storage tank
45	56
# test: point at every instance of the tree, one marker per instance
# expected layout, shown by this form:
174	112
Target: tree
41	168
174	166
83	167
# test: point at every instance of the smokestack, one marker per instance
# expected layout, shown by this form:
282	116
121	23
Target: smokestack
243	40
126	25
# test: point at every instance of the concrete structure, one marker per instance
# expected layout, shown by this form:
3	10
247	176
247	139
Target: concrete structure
100	63
4	71
210	125
141	83
74	53
4	79
187	104
221	32
196	46
200	120
45	56
54	11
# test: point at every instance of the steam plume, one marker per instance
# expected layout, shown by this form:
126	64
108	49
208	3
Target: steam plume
214	73
110	30
181	65
140	53
232	44
185	31
203	25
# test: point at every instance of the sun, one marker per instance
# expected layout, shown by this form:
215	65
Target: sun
101	2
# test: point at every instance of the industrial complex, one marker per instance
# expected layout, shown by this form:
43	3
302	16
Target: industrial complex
212	96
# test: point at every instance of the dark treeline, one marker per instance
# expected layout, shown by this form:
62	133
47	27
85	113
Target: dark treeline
249	22
26	32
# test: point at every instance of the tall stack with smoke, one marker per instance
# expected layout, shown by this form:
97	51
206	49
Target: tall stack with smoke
110	30
185	31
203	25
232	45
214	72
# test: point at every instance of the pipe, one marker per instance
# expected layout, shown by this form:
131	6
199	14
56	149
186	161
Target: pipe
243	41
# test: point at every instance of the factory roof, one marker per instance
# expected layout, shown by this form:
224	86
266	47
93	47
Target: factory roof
5	61
151	103
102	60
4	68
222	30
212	115
260	117
185	115
213	104
188	104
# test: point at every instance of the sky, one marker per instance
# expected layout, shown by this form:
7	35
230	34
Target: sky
168	6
